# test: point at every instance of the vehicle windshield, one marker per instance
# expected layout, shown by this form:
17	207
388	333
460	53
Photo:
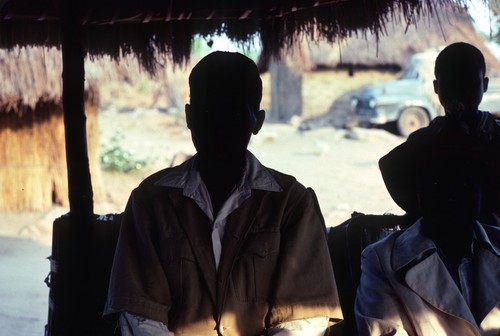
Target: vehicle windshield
419	65
409	71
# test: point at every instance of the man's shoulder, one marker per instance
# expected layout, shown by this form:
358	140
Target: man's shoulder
487	127
157	176
292	189
435	126
286	181
147	189
281	175
488	118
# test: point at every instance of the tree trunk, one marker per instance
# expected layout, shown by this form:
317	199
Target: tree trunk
286	91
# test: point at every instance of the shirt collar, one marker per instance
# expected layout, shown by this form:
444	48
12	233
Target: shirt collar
187	177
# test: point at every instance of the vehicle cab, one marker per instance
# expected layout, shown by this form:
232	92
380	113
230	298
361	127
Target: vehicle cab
406	101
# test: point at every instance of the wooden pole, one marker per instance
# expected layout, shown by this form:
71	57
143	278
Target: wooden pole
73	80
72	309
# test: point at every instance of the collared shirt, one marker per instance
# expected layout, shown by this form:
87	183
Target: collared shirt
189	179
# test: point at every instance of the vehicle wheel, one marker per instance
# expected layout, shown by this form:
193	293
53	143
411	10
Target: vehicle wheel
411	119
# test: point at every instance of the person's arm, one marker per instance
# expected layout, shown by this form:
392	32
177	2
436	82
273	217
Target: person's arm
133	325
377	308
138	283
315	326
305	294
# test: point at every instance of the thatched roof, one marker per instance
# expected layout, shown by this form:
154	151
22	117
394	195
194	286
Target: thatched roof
398	43
30	75
146	27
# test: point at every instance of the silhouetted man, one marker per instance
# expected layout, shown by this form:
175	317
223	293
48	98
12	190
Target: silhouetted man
441	275
222	245
460	81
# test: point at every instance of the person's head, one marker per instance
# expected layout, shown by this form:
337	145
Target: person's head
460	79
224	109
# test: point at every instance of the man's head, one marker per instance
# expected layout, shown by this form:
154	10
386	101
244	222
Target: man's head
460	79
225	95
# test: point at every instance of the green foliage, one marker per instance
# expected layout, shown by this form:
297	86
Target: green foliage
115	158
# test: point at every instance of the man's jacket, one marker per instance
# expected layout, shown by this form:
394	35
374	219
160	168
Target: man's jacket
405	288
274	267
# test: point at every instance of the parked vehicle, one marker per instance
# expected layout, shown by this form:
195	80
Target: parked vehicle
409	102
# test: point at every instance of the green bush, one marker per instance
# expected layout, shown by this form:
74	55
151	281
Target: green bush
115	158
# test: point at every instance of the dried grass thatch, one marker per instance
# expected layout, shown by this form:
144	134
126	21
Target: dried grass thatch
33	170
148	27
398	43
33	75
33	173
29	76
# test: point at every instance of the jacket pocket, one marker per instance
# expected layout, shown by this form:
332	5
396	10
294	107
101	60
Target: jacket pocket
254	268
178	263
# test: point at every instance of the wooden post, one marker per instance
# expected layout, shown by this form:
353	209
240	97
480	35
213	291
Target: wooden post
71	307
73	77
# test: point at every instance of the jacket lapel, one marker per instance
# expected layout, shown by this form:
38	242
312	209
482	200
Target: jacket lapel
422	279
487	291
420	267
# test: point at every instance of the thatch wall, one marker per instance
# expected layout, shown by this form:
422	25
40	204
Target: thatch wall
33	169
33	173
